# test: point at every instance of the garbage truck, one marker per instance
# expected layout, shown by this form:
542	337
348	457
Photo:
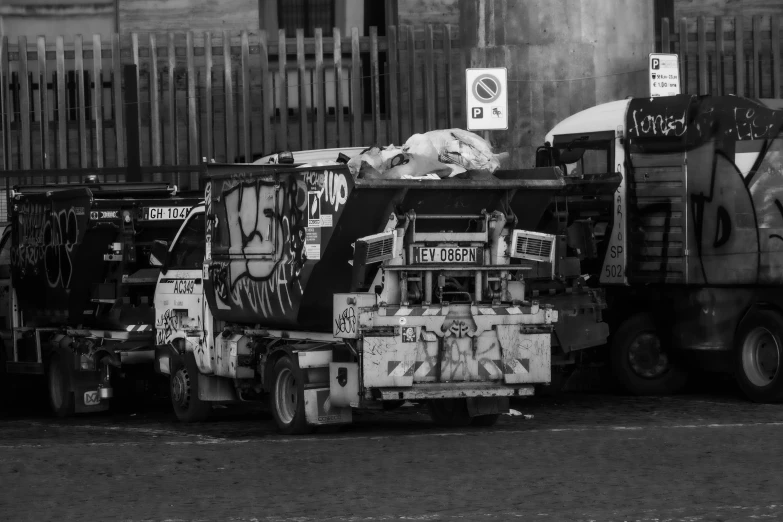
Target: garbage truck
320	292
77	286
693	248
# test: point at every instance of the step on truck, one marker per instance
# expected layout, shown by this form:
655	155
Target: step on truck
320	293
78	288
693	249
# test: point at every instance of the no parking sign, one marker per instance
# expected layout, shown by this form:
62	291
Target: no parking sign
487	98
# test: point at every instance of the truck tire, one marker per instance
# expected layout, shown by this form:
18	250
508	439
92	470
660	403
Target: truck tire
60	393
450	413
287	398
639	363
759	356
183	387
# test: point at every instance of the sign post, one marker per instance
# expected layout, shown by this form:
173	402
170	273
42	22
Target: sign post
664	74
487	98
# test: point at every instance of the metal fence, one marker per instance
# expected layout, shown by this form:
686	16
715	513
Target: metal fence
222	96
723	55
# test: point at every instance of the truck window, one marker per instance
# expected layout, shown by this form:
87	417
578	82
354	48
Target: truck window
585	154
188	252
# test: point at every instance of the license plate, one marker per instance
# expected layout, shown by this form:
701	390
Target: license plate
466	255
91	398
164	213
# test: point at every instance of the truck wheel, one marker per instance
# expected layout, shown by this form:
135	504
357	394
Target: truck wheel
60	393
288	405
759	352
184	390
450	413
640	363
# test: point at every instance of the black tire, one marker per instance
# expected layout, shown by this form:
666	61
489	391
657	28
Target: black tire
287	398
639	363
58	379
485	421
183	387
759	356
450	413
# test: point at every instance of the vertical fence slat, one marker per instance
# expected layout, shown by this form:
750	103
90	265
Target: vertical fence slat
774	24
97	98
429	80
119	108
173	145
210	138
62	115
720	55
666	44
703	79
393	83
228	88
684	55
449	75
246	106
302	80
24	104
79	49
283	107
338	83
412	78
375	85
318	90
137	63
267	94
756	59
739	56
157	152
356	108
43	90
5	106
193	143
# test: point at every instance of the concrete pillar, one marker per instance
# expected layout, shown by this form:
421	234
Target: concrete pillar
562	56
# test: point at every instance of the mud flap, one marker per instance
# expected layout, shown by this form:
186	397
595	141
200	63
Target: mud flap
319	409
487	405
86	396
216	389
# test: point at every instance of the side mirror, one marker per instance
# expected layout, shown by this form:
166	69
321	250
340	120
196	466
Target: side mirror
159	253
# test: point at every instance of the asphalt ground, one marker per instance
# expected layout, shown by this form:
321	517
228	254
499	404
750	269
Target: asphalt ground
705	455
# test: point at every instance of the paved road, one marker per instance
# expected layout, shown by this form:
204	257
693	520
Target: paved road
697	457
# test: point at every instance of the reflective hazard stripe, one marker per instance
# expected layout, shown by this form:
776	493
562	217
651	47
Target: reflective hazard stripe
138	327
400	368
418	311
489	367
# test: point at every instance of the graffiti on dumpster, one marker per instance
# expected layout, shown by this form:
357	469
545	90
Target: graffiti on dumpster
46	240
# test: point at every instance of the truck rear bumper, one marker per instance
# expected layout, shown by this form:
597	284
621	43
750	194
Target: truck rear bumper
452	390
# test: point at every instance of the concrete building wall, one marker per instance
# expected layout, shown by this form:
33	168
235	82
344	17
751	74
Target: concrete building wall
423	12
51	18
562	57
748	8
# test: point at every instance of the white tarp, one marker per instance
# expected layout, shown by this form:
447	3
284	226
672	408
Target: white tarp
433	155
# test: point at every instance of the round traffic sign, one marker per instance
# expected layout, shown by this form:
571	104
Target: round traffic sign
486	88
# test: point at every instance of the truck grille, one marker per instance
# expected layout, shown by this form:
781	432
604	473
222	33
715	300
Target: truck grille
532	246
380	247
